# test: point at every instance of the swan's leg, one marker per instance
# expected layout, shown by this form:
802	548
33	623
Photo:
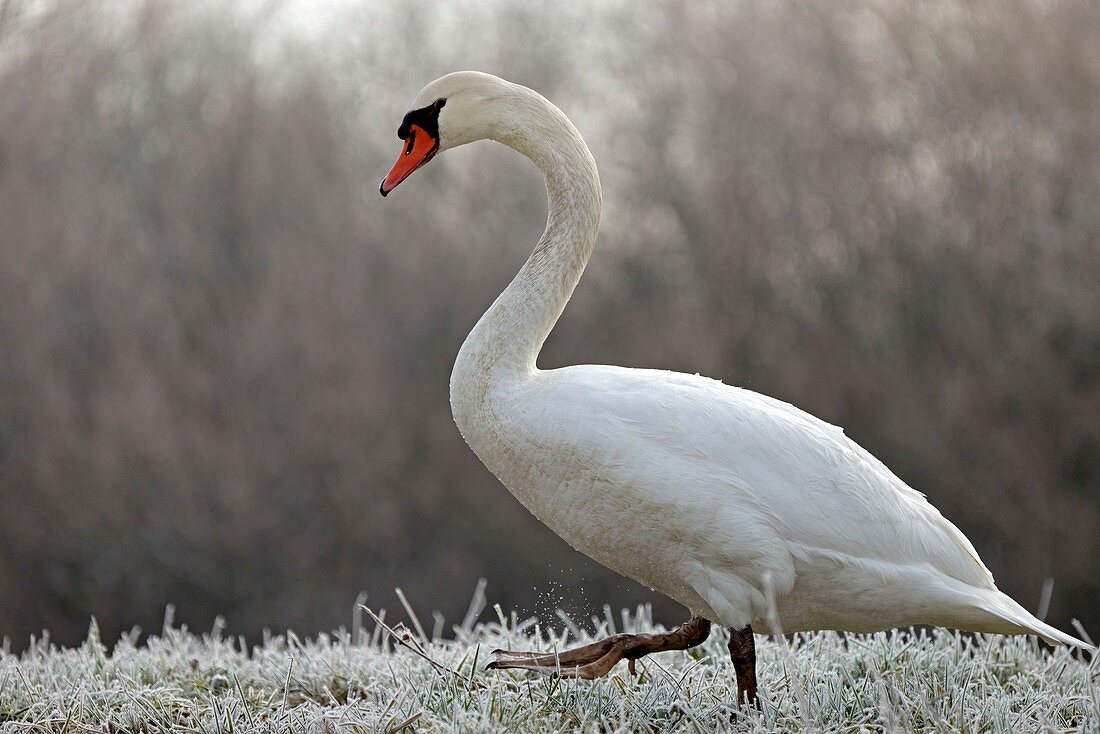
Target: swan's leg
597	659
742	647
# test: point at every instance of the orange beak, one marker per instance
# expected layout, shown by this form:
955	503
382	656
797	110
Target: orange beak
420	147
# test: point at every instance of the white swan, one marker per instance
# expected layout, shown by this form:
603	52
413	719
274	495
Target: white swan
712	495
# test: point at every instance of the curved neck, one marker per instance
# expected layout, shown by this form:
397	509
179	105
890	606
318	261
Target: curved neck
507	340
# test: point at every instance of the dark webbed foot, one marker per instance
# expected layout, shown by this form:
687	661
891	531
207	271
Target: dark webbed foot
742	647
597	659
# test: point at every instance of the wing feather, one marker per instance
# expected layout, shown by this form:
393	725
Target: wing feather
754	459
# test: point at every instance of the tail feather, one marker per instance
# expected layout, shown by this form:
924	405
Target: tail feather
1003	607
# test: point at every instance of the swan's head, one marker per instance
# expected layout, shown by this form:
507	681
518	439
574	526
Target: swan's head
453	110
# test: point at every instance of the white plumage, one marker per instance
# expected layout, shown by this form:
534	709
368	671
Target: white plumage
710	494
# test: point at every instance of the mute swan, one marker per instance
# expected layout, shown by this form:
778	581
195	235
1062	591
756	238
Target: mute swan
715	496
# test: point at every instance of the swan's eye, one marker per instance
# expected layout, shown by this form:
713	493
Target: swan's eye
426	118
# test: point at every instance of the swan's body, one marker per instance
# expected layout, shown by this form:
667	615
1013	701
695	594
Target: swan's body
710	494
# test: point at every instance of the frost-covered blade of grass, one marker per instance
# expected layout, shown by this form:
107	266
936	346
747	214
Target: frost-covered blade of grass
904	681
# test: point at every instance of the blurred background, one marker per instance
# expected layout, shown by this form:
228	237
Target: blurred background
224	358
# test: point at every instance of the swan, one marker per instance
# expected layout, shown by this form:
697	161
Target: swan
748	511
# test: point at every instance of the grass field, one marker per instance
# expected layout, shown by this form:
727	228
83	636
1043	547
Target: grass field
372	681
